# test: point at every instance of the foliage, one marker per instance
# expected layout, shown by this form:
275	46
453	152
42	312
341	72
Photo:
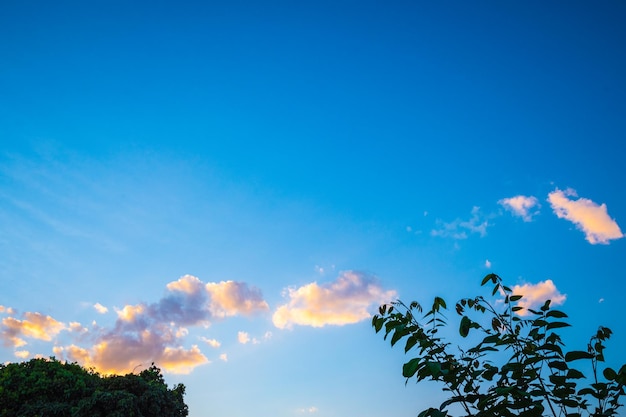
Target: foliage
519	368
47	387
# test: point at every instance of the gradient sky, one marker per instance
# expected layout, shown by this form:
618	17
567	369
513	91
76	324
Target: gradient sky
230	189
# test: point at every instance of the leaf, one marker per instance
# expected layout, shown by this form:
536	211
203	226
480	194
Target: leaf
560	365
609	374
546	306
465	326
411	341
557	325
556	314
515	297
489	277
410	368
576	355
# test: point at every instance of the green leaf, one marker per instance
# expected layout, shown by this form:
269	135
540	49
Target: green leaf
556	314
557	325
560	365
410	368
515	297
576	355
609	374
465	326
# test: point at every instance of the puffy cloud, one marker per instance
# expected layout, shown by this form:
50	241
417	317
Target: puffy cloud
100	308
458	228
224	357
520	206
7	310
22	354
243	337
535	295
77	327
591	218
34	325
344	301
145	333
229	298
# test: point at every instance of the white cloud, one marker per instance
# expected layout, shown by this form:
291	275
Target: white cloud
591	218
211	342
488	264
520	206
100	308
308	410
243	337
458	228
224	357
344	301
535	295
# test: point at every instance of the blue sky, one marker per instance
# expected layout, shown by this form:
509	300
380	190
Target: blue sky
231	189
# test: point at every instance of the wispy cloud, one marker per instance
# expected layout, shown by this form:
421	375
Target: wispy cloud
535	295
344	301
308	410
100	308
458	229
211	342
488	264
521	206
591	218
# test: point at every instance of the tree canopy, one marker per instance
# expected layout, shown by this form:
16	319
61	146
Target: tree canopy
50	388
518	367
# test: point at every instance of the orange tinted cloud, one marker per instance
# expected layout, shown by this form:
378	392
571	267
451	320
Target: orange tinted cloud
535	295
591	218
100	308
34	325
344	301
153	332
229	298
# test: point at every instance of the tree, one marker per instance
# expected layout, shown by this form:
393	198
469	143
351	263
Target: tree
47	387
518	367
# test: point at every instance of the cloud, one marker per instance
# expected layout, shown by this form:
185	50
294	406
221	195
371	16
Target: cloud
7	310
224	357
520	206
309	410
22	354
100	308
344	301
458	228
154	332
591	218
34	325
229	298
535	295
243	337
487	264
211	342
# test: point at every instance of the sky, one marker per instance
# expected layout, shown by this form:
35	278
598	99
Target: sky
231	189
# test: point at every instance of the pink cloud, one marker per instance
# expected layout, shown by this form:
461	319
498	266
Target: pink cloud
591	218
344	301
